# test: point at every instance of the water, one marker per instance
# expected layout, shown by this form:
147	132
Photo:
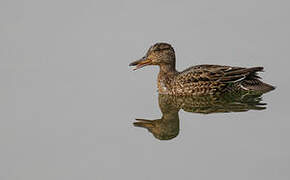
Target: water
69	99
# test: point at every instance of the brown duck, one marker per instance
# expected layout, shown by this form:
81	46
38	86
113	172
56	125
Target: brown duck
201	79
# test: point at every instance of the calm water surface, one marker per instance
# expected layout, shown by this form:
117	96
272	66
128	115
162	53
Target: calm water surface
68	99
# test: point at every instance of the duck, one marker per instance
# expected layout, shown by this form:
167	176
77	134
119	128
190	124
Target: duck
198	80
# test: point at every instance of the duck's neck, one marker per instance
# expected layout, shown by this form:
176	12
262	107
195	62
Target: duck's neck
166	74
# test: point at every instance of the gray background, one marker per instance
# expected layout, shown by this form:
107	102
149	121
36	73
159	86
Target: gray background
68	97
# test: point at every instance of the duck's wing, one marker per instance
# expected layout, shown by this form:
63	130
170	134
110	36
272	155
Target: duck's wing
218	73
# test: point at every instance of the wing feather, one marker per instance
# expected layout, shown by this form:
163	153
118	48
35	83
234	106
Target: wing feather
224	74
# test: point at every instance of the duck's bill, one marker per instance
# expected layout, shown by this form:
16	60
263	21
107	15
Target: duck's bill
143	123
140	63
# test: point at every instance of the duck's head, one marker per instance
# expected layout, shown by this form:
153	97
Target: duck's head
163	129
158	54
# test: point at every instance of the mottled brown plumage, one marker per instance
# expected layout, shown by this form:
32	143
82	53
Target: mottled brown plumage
200	79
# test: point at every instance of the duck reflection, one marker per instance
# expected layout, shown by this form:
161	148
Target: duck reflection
167	127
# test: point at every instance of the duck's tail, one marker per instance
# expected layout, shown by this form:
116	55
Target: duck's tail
247	79
256	85
252	81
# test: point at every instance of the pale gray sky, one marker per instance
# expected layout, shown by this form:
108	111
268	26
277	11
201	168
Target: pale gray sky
68	97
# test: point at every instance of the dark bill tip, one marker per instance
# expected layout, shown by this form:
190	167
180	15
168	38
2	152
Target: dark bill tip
135	63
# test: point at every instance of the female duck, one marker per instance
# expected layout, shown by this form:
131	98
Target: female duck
200	79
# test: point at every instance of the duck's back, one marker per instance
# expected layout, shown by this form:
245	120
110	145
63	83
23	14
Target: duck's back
211	79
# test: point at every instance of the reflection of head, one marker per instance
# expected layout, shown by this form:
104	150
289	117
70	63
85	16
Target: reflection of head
162	129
